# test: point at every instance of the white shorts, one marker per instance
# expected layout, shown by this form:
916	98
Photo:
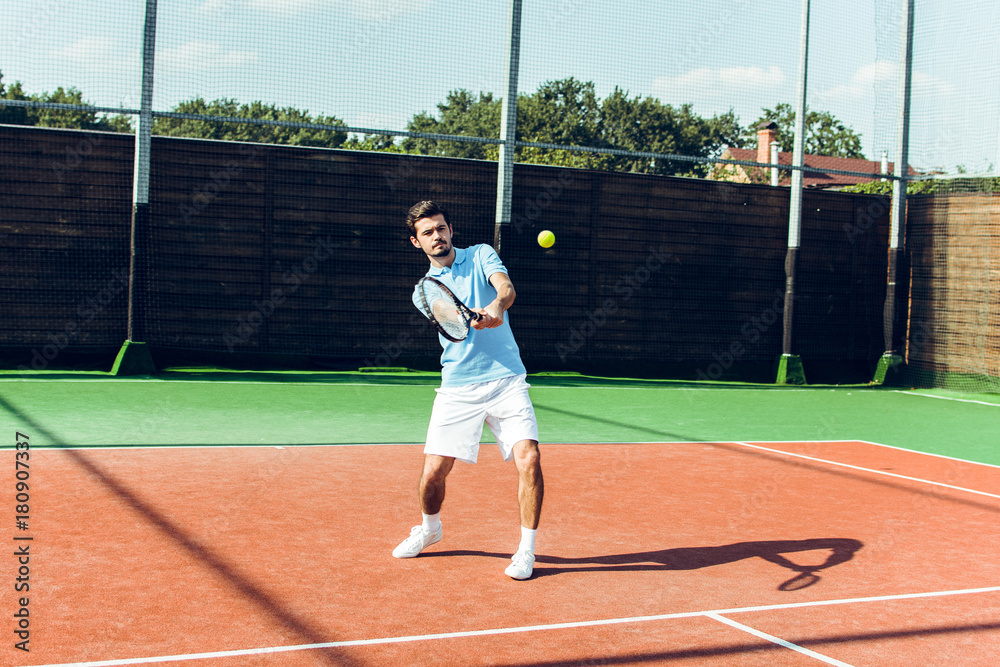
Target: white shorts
459	412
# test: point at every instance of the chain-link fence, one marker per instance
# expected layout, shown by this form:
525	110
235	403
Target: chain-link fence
704	90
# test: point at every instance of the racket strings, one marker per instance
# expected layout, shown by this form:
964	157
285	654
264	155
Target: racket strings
450	319
440	308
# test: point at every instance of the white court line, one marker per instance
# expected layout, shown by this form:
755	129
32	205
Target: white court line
293	445
914	451
777	640
262	445
123	447
432	382
871	470
529	628
683	388
157	380
946	398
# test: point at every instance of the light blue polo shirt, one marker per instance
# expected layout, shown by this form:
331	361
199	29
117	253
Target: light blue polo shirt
487	354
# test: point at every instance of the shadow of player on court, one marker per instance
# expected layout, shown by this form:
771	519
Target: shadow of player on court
694	558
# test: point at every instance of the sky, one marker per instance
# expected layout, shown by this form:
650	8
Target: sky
376	63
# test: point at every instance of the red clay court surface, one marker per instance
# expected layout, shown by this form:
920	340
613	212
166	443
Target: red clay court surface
657	553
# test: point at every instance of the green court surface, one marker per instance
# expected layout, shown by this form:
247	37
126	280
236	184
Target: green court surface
210	407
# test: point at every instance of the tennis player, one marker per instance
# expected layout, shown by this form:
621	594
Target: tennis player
482	379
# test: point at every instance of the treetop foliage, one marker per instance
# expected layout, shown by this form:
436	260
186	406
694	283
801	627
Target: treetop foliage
565	112
932	186
82	120
568	112
250	132
825	135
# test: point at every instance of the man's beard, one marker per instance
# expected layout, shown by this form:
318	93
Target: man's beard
441	251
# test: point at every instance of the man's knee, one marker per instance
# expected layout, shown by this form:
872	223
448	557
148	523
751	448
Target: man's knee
436	468
527	458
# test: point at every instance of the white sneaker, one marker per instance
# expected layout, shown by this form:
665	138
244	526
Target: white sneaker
418	540
521	565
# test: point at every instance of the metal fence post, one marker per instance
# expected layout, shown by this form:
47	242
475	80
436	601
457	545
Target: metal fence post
898	208
508	123
134	358
790	366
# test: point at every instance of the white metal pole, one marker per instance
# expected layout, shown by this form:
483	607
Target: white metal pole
143	141
508	123
774	160
900	170
795	203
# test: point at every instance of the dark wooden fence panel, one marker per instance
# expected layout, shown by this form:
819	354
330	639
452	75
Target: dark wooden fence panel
841	276
275	249
954	251
646	268
65	211
293	251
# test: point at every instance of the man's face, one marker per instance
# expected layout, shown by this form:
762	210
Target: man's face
432	235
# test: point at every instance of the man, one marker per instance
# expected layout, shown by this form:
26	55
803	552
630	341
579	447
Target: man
482	379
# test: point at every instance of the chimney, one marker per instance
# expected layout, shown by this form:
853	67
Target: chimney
766	133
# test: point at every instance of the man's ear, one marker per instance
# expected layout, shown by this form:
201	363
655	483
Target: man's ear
413	240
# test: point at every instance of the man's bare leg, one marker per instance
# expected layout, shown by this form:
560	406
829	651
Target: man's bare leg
431	494
530	485
432	482
530	491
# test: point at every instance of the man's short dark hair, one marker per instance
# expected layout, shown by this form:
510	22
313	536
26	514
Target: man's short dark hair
424	209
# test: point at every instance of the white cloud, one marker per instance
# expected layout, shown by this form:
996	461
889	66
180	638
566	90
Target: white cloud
927	85
99	66
866	80
197	55
90	50
881	78
366	9
386	9
213	6
285	6
706	84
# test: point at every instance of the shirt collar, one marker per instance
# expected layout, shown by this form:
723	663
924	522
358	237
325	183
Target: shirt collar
460	254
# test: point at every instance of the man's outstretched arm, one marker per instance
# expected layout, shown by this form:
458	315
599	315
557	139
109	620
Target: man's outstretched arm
492	314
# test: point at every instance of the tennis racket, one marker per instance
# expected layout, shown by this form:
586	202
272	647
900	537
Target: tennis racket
445	310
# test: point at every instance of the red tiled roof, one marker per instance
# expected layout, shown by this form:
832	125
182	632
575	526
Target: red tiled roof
819	179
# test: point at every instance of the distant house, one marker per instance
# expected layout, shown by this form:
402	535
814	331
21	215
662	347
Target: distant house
767	134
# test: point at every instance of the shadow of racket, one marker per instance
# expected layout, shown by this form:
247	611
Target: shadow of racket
801	580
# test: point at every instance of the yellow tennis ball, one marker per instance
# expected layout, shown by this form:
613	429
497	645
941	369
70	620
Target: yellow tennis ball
546	238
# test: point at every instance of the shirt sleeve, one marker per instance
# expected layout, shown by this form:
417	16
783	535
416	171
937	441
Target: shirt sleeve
416	299
490	261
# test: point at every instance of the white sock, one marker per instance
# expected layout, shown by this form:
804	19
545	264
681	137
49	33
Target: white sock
432	522
527	540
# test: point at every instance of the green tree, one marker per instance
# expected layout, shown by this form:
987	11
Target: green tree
568	112
931	186
79	120
647	125
250	132
82	120
725	130
565	112
372	142
461	114
10	114
825	135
